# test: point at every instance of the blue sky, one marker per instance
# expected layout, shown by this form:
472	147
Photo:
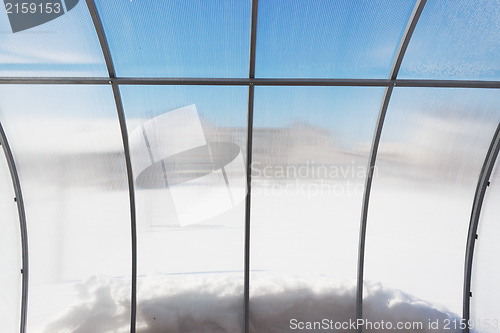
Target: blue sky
295	38
454	39
66	46
322	39
190	38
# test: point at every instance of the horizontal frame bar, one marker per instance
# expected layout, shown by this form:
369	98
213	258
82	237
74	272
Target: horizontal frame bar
255	82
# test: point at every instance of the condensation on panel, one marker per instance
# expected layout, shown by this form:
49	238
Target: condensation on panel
10	252
187	146
455	39
67	145
329	39
431	152
310	153
172	38
49	38
485	300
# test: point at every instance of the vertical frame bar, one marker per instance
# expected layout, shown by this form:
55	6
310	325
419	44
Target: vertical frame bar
412	23
130	177
248	199
22	223
482	184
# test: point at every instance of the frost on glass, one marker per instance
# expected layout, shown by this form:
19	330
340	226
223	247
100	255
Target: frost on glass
178	38
329	39
310	152
187	147
455	39
433	144
67	145
51	39
485	304
10	252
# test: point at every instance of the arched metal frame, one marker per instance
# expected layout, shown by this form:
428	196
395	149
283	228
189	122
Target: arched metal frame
415	15
130	176
482	185
22	223
251	82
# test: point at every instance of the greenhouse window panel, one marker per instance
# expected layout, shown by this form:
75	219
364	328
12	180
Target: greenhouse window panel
455	40
329	39
48	39
430	155
310	157
249	166
178	38
188	148
67	146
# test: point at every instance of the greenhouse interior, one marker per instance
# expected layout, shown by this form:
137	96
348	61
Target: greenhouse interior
249	166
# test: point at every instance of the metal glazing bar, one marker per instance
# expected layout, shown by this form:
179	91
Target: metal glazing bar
482	185
410	27
96	19
130	178
255	82
22	223
366	200
253	38
54	80
248	211
248	199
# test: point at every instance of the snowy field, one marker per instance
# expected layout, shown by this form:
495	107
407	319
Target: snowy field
303	258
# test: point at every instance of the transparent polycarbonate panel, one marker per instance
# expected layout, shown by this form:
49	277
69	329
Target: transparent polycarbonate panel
485	300
310	153
10	253
67	144
329	39
187	147
431	152
178	38
455	39
49	38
